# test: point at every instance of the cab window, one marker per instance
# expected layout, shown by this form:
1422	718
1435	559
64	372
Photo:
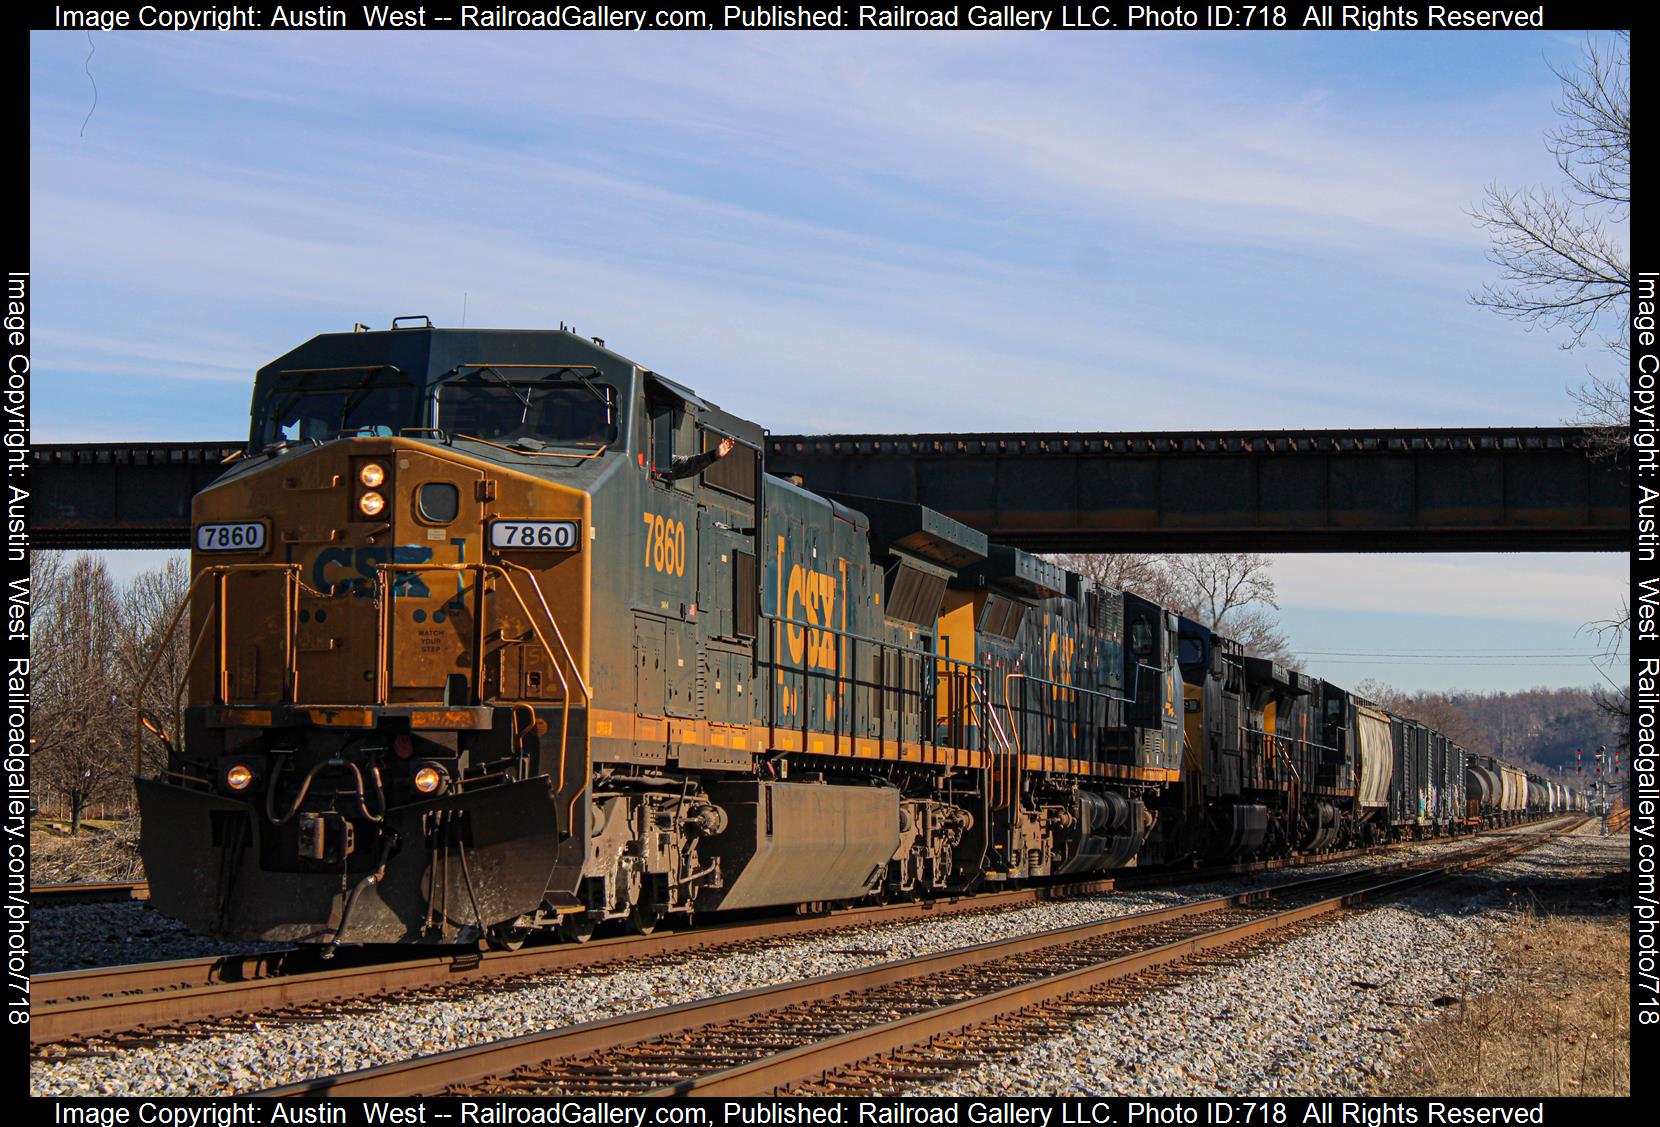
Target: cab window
321	412
563	412
663	417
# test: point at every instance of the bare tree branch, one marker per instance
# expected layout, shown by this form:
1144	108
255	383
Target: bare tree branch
1564	256
76	689
147	606
1592	146
1231	593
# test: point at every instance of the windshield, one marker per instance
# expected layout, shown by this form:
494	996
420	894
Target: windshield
323	412
570	412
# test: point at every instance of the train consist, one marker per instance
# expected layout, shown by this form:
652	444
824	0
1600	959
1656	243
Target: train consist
486	637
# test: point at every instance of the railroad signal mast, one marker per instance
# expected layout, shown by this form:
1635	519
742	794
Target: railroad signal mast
1601	784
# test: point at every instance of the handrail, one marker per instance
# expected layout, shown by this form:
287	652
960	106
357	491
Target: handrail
1009	756
557	633
1304	741
384	634
221	573
900	646
576	672
1008	696
843	676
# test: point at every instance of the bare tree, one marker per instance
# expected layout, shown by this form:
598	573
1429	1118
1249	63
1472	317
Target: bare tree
1258	630
1564	254
1442	713
1614	699
76	708
147	607
1437	710
1385	696
1231	593
1144	574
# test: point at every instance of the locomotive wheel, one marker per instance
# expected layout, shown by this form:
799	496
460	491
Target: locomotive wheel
506	937
643	919
577	927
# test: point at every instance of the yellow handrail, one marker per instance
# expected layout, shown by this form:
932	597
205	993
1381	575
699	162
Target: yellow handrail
576	672
1002	757
219	572
384	634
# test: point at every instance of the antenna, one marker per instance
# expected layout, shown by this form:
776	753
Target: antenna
463	309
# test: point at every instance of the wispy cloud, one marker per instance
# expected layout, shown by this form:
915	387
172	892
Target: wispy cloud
1569	590
1137	236
885	232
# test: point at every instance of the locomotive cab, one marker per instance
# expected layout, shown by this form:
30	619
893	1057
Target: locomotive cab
385	727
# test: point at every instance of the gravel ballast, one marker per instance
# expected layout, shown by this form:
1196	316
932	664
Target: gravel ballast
1318	1015
77	936
283	1052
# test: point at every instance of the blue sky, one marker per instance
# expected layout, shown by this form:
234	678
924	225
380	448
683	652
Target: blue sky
841	232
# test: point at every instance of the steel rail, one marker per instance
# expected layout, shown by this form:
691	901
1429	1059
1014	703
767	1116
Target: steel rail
812	1062
60	988
114	999
88	985
473	1064
79	1003
88	892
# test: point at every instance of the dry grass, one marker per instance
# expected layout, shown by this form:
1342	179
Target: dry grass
1559	1025
105	851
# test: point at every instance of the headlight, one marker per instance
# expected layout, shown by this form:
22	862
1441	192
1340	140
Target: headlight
429	780
238	776
372	475
371	504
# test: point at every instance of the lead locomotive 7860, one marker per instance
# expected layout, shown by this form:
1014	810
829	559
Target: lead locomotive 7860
473	654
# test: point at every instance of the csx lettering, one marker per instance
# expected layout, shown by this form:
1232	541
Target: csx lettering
811	597
1062	651
665	544
359	565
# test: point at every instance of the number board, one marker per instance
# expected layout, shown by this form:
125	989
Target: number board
245	537
558	535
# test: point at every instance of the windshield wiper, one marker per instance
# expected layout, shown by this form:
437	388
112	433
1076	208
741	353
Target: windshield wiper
352	403
513	390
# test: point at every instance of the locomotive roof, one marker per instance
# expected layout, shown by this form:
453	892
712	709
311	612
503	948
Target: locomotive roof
427	353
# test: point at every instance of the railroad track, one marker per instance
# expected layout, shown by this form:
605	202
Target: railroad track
167	997
88	892
841	1025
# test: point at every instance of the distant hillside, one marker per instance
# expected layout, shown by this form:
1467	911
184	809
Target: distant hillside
1537	729
1542	726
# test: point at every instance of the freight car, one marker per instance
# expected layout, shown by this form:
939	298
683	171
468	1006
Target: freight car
1502	795
490	634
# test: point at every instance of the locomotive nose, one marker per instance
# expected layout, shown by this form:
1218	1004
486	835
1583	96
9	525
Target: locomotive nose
387	708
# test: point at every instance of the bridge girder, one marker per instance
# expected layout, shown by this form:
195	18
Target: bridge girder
1532	489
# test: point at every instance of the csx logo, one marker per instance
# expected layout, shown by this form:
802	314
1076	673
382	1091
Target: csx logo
353	569
810	596
1062	652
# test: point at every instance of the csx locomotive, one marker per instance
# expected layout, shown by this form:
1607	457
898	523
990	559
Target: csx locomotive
471	656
